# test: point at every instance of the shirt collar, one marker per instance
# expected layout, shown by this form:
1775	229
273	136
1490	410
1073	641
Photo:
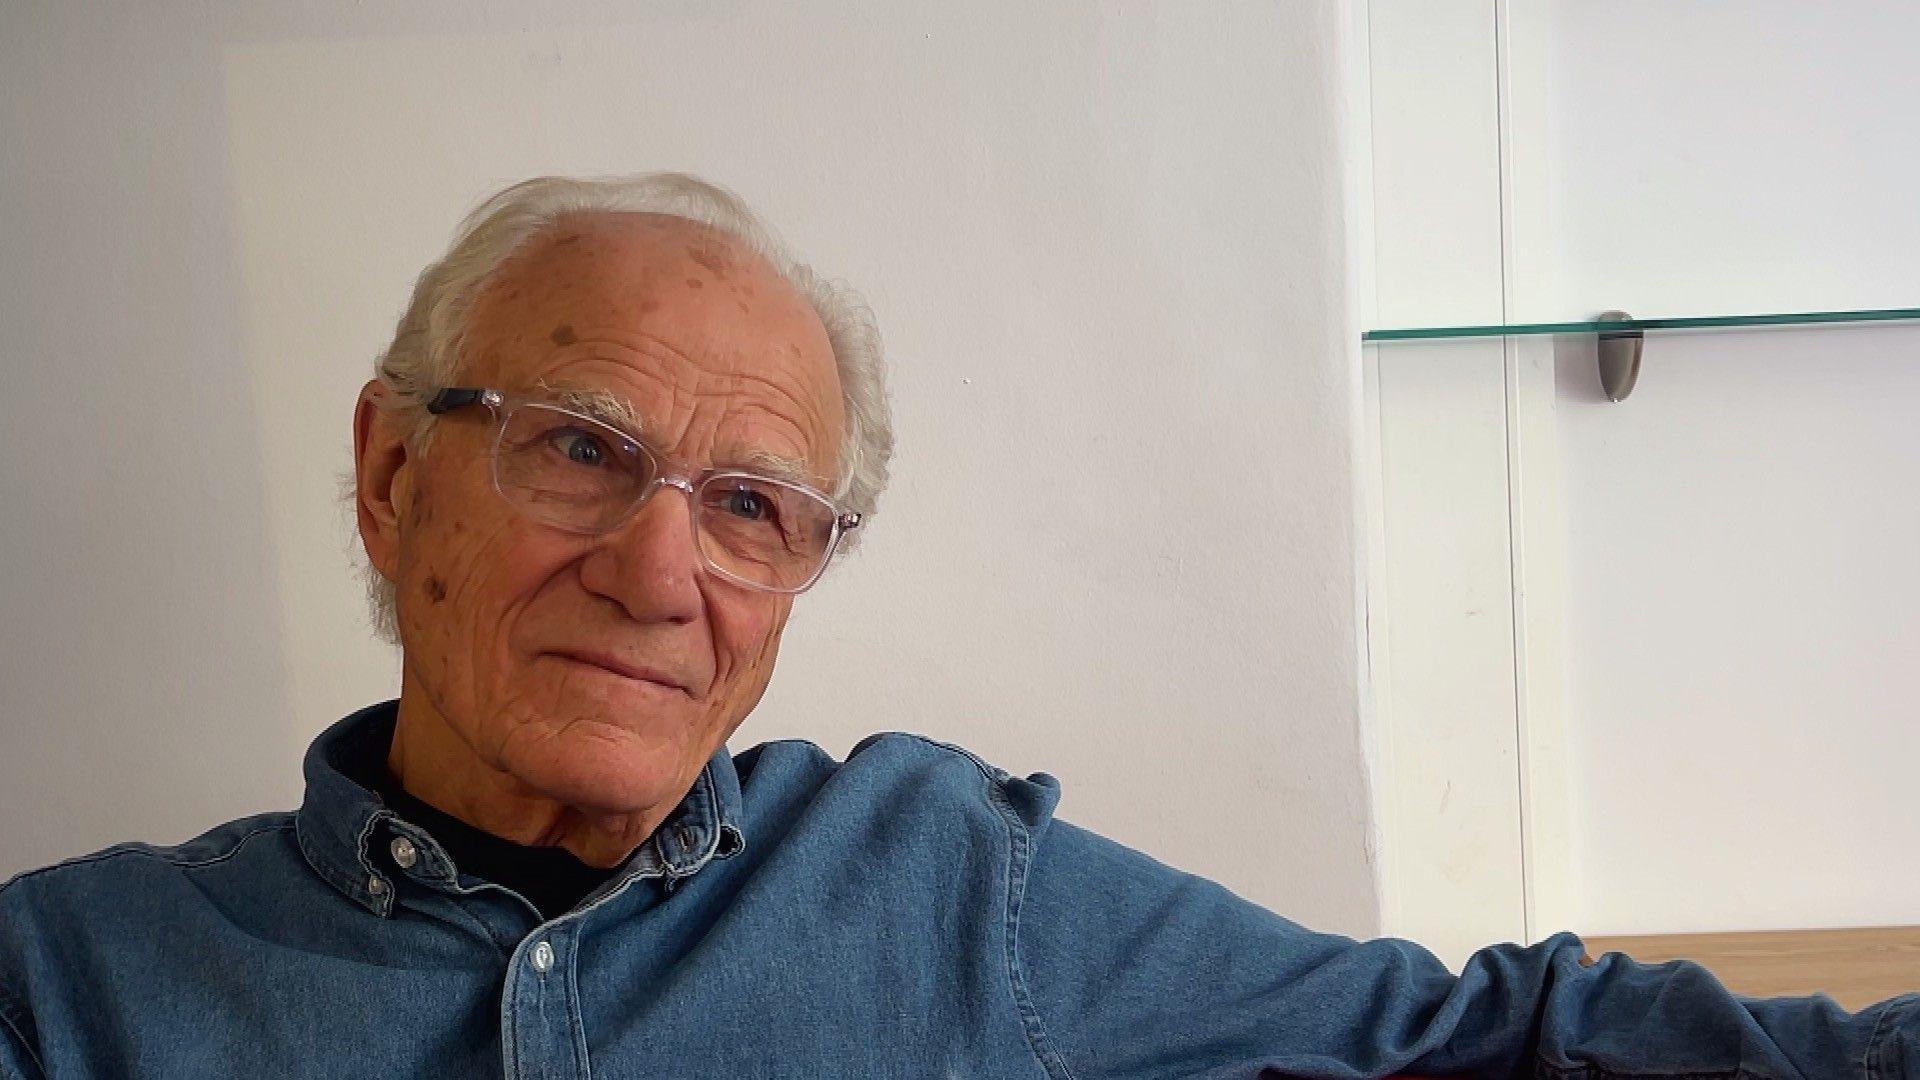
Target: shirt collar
340	820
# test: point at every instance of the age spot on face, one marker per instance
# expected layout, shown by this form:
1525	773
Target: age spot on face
712	257
436	589
563	335
695	283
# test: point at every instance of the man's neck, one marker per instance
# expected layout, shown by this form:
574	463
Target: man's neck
431	762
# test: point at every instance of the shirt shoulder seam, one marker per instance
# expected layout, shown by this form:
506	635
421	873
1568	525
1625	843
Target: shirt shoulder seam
991	771
1019	860
139	847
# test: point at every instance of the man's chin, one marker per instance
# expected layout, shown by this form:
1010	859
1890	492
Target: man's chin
603	767
594	790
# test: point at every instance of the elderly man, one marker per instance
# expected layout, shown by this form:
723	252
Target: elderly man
617	433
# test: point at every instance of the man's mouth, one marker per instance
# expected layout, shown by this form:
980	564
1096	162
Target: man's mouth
614	665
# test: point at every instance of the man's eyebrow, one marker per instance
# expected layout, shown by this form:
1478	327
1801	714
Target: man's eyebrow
617	412
777	467
609	409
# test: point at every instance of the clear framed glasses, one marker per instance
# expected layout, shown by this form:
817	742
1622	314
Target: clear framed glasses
574	472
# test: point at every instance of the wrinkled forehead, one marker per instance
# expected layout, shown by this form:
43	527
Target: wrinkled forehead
673	302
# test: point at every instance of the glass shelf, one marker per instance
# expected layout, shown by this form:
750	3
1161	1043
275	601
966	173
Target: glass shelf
1600	326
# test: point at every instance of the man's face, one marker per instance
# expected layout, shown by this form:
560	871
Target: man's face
720	360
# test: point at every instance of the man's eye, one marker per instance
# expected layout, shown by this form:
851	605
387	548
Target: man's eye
747	504
579	447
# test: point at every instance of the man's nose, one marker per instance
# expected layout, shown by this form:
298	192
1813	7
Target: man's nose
651	565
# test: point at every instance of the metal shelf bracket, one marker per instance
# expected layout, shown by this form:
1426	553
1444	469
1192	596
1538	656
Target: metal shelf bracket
1619	352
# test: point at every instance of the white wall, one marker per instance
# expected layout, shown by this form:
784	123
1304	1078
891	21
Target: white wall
1699	159
1665	646
1741	588
1742	631
1106	244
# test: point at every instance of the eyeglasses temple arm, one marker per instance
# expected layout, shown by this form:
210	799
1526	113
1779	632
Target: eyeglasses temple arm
455	397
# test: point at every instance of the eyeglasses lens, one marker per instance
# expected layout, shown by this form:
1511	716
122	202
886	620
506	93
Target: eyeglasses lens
583	476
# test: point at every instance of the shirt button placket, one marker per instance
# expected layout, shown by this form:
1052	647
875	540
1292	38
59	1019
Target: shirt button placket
539	1009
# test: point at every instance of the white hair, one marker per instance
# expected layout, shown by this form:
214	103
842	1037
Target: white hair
427	345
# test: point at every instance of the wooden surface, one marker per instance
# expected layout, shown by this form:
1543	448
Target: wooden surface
1855	967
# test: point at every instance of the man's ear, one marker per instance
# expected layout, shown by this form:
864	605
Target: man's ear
383	476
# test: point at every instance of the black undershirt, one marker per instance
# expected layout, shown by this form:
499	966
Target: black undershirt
551	877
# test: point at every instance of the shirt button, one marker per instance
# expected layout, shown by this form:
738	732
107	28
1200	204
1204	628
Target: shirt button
542	957
376	886
404	852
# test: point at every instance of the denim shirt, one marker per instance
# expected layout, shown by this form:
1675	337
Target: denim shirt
910	912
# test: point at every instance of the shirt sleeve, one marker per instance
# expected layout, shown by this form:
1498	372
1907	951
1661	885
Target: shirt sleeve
1129	968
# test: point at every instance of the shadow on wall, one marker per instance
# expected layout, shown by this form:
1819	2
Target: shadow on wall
1576	370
